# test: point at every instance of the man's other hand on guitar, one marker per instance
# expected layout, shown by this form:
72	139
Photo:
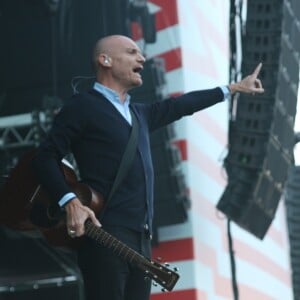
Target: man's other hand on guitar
77	214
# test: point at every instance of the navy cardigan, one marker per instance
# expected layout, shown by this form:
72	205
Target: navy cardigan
95	132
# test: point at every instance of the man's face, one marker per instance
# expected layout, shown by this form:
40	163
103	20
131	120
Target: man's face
127	63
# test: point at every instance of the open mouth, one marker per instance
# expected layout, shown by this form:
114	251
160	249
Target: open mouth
137	69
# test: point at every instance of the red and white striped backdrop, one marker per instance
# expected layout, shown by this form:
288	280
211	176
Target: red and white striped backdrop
192	37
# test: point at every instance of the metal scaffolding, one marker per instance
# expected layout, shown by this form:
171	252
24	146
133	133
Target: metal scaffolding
24	130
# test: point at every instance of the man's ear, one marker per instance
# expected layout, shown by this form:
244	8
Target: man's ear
104	60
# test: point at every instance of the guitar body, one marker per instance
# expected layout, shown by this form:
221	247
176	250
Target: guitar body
24	205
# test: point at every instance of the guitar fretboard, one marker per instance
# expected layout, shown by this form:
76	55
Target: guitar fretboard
107	240
162	275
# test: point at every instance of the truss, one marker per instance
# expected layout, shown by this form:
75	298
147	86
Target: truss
23	130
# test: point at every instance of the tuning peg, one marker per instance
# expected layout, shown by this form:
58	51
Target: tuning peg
175	269
167	264
163	290
154	283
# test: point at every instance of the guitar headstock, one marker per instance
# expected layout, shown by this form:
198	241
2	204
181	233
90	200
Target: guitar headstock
161	274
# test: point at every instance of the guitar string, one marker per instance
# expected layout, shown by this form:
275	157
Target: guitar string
105	238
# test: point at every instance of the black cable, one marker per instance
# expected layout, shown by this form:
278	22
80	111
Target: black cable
53	54
232	263
232	40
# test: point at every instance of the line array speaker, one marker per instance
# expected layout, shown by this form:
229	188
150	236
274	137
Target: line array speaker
261	136
292	202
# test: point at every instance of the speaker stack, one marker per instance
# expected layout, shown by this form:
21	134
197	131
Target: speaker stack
261	136
291	55
292	200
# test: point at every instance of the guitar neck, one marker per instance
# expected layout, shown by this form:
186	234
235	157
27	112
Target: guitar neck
108	241
159	273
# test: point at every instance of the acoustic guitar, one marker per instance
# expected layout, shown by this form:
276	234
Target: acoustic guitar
25	205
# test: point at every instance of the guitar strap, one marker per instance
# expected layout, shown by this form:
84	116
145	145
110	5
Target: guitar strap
126	160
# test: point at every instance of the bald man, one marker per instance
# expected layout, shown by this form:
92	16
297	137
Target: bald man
95	126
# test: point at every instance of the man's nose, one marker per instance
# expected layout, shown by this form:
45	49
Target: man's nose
141	58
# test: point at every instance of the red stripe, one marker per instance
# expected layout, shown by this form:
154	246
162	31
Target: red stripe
182	146
181	295
205	163
167	15
136	31
201	62
173	59
211	125
174	250
176	94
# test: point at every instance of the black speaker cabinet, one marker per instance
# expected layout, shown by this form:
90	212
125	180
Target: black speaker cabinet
32	270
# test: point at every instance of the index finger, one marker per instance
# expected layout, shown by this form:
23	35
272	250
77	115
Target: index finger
257	69
94	219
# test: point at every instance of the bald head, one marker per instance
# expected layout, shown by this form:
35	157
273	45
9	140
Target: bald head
107	46
118	62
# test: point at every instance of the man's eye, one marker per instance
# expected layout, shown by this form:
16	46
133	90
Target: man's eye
132	51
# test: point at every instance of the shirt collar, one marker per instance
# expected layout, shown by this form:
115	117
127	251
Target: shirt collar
110	94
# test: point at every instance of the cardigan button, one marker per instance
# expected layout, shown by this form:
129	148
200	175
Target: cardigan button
147	232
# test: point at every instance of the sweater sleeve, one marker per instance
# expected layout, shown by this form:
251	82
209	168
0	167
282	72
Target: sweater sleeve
172	109
67	128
